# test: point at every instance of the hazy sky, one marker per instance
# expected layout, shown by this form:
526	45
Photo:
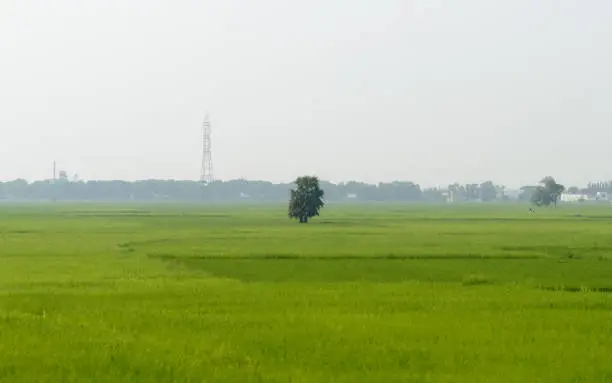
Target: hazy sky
433	91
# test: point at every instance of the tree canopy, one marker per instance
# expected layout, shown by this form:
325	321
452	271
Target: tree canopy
547	193
306	199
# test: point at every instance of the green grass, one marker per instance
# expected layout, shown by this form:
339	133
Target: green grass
378	293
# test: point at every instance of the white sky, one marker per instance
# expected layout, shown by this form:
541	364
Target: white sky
433	91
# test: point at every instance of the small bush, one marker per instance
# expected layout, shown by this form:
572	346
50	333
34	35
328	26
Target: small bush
476	279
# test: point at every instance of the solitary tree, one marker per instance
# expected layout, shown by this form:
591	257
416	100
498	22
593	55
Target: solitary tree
306	199
548	193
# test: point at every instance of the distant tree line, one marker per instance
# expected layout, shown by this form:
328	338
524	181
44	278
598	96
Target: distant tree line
257	191
224	191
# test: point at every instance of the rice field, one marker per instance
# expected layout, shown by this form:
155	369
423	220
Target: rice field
372	293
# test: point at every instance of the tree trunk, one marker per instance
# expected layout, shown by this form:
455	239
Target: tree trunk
303	219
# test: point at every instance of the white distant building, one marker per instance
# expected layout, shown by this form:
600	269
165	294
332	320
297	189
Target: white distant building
567	197
448	195
603	196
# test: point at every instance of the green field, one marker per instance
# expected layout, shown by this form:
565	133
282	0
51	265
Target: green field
378	293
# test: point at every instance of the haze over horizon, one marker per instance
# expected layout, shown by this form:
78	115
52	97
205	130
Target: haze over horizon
426	91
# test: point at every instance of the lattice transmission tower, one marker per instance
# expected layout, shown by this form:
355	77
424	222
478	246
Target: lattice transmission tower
206	174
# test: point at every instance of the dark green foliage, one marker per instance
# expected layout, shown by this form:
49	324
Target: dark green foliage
306	199
488	191
548	193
